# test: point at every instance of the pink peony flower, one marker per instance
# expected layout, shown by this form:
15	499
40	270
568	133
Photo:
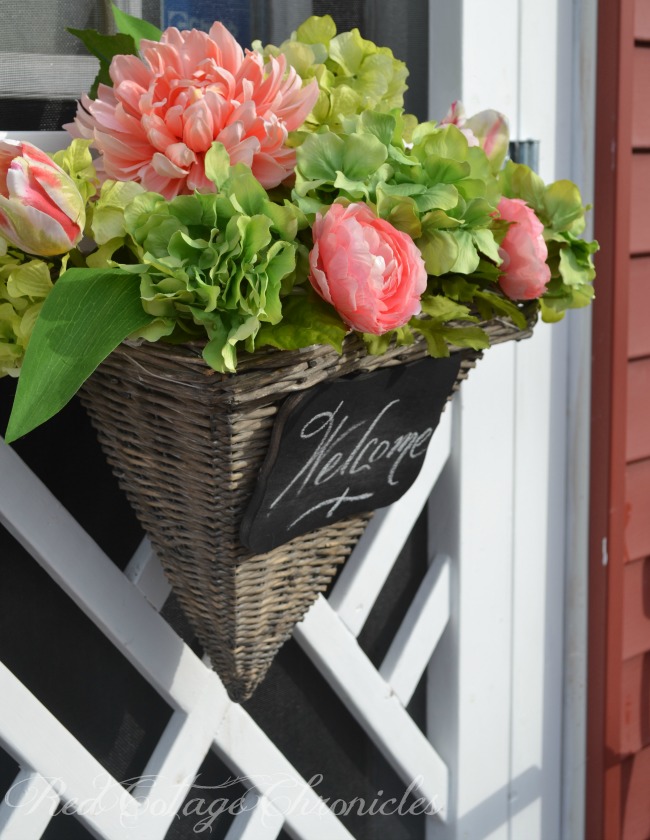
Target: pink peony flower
41	209
524	252
166	108
372	273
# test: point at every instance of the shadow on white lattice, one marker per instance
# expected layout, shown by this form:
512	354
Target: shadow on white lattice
125	608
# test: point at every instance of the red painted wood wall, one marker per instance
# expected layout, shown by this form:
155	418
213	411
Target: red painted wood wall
618	747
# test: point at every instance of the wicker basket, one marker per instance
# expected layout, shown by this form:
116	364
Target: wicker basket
186	445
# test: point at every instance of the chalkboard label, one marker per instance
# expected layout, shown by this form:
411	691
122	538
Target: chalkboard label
344	447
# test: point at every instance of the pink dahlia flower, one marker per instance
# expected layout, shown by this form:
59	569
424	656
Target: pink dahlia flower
166	108
372	273
41	209
523	251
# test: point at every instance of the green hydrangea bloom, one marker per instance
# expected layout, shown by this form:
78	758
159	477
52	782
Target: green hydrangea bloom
24	284
77	162
212	264
353	74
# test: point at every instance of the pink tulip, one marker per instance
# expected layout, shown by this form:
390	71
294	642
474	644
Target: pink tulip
166	109
372	273
487	129
456	116
524	252
41	210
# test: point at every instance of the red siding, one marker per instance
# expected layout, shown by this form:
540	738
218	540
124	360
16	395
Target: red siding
637	510
635	705
639	306
618	754
636	618
641	112
640	220
636	801
638	410
642	20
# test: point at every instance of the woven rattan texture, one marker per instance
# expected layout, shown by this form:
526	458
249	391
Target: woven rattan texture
186	445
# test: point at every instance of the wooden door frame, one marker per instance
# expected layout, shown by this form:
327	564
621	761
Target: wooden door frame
613	160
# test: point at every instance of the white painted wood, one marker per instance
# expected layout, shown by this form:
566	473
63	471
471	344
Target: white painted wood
35	738
53	537
471	698
147	574
367	569
334	650
540	463
495	680
27	807
259	820
244	747
419	633
47	141
175	762
583	109
490	58
485	596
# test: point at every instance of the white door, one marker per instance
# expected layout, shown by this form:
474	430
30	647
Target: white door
487	622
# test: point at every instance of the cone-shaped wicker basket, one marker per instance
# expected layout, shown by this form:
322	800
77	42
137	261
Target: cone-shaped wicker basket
187	444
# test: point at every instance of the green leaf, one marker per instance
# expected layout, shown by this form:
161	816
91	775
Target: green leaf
432	332
246	192
316	30
563	206
468	259
320	157
362	155
573	272
549	314
381	125
376	345
104	47
217	164
348	50
135	27
306	320
473	337
85	316
440	196
519	181
440	308
490	304
486	244
439	250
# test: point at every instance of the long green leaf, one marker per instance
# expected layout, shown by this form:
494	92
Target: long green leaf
135	27
85	316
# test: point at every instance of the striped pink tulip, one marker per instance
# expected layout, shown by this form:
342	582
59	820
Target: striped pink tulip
487	129
41	210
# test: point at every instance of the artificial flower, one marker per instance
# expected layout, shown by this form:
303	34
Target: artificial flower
41	209
371	273
525	273
168	106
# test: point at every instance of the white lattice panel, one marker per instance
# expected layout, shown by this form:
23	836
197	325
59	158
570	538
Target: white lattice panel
125	607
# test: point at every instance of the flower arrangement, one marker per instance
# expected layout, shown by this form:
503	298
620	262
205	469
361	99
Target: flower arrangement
274	197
